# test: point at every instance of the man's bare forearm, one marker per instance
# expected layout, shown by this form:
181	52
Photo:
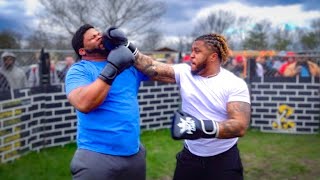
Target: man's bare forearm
157	71
236	125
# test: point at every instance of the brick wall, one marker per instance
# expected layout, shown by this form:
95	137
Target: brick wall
286	105
32	119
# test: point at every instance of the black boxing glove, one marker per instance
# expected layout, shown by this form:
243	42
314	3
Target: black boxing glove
119	59
185	126
114	37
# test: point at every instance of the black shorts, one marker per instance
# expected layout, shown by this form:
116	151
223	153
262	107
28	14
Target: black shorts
224	166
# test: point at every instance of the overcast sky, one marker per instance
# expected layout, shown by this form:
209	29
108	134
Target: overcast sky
181	15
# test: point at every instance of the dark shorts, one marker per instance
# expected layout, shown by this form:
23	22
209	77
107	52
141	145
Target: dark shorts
224	166
89	165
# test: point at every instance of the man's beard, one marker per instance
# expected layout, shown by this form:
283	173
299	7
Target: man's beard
8	66
96	51
199	68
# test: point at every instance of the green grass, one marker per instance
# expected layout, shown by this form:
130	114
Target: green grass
264	156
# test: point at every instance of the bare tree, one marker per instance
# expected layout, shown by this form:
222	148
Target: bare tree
184	43
152	40
41	39
217	22
223	22
134	15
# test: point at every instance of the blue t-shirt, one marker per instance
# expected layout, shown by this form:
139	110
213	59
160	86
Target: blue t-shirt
304	72
114	126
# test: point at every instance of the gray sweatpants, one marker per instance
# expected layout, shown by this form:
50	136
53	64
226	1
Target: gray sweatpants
89	165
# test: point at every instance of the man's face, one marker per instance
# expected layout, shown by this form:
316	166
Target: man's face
261	59
8	62
92	42
291	59
200	55
302	60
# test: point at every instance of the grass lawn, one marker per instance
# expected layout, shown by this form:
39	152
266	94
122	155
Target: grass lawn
264	156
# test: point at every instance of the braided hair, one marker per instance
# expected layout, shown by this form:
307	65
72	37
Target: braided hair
217	43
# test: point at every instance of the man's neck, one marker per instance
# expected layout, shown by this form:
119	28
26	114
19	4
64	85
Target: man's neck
210	71
94	57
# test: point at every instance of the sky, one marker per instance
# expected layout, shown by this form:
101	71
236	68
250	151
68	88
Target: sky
182	15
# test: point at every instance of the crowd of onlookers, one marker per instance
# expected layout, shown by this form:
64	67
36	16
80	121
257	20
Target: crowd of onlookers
15	77
288	65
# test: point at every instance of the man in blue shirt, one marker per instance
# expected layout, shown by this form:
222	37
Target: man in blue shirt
103	88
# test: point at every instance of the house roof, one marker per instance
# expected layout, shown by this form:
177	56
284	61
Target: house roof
166	49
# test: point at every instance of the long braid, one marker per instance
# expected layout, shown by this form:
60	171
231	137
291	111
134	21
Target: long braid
218	44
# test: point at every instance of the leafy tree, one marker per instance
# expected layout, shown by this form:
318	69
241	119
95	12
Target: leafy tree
257	38
315	25
309	41
10	39
281	39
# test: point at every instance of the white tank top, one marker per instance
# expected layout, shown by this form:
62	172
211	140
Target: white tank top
207	98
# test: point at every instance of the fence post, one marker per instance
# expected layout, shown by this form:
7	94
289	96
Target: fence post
44	69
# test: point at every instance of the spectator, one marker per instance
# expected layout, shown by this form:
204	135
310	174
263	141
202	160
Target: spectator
4	84
254	69
259	69
186	58
34	74
302	67
68	60
14	74
229	65
265	67
239	66
290	58
54	78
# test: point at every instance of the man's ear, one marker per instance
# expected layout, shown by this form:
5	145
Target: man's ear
82	51
214	56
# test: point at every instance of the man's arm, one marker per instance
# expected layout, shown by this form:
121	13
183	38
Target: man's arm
155	70
89	97
239	114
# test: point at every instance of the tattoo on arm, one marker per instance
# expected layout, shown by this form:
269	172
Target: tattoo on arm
155	70
150	70
238	120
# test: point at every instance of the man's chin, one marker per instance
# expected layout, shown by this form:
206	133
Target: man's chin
194	72
96	51
102	47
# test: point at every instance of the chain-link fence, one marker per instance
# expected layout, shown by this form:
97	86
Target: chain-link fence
26	68
33	67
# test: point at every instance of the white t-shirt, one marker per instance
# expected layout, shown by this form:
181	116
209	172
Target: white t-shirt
259	70
207	98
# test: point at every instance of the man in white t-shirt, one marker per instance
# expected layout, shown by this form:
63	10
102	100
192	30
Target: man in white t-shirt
215	108
208	92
